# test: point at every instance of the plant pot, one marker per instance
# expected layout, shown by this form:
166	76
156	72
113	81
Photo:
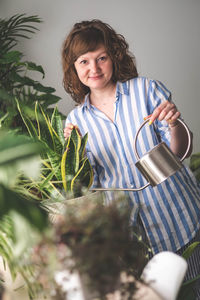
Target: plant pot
86	202
164	273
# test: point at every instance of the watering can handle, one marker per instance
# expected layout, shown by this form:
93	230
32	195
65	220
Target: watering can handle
186	128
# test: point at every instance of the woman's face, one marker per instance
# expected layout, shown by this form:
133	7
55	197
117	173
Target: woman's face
95	69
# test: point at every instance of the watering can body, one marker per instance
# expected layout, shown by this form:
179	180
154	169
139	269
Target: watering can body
156	165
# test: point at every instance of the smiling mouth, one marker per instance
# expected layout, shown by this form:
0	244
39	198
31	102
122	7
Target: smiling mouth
96	77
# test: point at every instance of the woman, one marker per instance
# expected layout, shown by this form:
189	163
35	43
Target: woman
101	76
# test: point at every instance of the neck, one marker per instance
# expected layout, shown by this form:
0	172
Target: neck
99	96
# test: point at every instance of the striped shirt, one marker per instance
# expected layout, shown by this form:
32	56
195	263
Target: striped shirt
170	212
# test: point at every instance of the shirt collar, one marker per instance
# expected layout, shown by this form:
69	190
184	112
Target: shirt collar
86	103
122	88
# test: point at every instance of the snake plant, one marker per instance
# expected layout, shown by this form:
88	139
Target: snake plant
66	168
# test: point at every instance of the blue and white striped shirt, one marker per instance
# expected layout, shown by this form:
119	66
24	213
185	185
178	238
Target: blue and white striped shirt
170	212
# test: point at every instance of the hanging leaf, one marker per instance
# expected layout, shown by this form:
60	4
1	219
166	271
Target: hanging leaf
33	67
47	99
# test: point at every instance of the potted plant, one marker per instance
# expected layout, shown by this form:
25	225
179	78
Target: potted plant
15	79
95	246
66	171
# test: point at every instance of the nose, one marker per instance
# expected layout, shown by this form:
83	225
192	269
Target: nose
94	67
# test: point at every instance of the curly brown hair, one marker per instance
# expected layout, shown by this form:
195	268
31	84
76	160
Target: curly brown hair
87	36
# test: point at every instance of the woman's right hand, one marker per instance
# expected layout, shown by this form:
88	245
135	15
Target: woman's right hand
68	129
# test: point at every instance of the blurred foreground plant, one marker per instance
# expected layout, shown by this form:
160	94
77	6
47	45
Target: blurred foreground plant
22	219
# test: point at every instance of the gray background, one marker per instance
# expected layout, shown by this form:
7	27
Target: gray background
163	35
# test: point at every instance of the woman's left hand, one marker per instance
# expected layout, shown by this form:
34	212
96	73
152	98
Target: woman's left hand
166	111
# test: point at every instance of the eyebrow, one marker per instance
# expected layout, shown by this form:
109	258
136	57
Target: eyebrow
83	56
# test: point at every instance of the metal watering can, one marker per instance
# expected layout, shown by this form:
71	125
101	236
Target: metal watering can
156	165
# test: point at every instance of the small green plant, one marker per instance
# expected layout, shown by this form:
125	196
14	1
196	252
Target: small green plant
195	165
66	168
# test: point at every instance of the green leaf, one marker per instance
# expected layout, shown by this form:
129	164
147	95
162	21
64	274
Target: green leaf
75	136
6	96
68	164
195	161
57	129
14	147
83	146
32	66
56	122
24	80
190	249
47	99
55	160
27	122
84	176
186	292
46	125
44	89
30	210
10	57
48	178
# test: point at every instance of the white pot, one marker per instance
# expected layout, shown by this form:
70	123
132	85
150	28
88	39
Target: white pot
164	273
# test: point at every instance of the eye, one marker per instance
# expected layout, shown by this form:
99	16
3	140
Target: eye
102	58
83	62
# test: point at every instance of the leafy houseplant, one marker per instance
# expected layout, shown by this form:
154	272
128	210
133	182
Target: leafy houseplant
66	168
15	81
22	219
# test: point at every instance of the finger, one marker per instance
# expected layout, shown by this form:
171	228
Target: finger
168	111
161	112
169	115
175	116
66	134
157	111
155	114
67	130
69	126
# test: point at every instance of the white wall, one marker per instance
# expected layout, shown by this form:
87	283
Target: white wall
164	36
